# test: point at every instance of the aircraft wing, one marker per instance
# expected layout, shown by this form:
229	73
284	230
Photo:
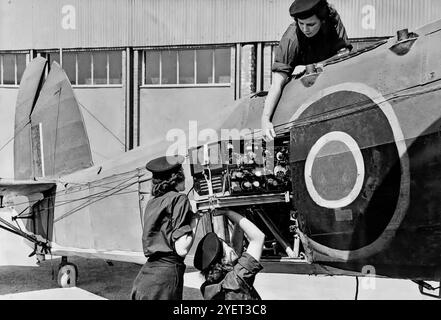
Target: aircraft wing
23	187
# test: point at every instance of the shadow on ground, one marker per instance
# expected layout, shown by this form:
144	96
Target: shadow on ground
95	275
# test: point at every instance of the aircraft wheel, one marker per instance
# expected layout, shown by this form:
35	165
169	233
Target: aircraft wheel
67	275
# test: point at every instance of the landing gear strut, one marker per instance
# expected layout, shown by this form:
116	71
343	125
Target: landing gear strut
67	274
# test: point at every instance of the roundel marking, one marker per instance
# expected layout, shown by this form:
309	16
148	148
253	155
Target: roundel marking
404	187
345	198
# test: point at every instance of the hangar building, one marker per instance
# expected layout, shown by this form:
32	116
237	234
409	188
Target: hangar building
140	67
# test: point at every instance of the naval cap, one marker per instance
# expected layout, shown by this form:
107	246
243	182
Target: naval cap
209	249
303	9
165	165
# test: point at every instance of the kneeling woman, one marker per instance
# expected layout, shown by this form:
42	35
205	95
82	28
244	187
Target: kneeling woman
228	276
169	228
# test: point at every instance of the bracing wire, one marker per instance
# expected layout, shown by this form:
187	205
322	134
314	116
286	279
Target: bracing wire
84	205
15	135
98	196
349	109
88	198
102	124
90	202
354	108
87	185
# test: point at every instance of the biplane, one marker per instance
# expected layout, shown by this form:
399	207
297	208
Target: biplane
351	182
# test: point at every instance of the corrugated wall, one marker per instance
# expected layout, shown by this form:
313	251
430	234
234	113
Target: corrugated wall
44	24
38	24
373	18
204	21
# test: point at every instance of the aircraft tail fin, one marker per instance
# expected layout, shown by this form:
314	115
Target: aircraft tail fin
50	135
30	86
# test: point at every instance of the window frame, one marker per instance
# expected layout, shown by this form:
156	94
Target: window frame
92	73
186	85
16	80
272	48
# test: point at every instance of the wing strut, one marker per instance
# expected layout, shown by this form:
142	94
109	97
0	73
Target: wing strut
39	242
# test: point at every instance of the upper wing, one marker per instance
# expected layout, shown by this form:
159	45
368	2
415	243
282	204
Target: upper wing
23	187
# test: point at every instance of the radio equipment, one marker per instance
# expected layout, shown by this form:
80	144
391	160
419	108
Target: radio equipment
253	178
240	172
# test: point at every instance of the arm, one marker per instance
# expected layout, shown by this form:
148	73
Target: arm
254	235
185	223
184	243
279	79
285	58
237	237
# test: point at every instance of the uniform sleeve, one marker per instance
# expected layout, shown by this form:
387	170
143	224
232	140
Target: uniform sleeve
286	53
343	41
246	268
182	214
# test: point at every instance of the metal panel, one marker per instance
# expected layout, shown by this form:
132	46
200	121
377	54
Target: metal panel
44	24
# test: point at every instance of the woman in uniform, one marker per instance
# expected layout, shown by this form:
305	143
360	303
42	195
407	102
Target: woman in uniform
316	34
228	276
168	233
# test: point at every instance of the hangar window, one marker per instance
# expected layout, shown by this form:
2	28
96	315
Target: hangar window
89	68
187	67
69	66
84	65
204	60
169	66
12	66
114	67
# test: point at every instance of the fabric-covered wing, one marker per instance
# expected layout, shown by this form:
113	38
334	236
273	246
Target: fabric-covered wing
23	187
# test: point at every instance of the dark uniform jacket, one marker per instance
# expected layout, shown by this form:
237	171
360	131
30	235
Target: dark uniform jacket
237	284
296	49
166	219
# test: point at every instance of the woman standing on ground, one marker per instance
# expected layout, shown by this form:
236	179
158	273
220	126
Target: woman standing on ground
169	229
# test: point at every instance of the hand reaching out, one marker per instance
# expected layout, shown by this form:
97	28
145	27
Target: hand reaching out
268	132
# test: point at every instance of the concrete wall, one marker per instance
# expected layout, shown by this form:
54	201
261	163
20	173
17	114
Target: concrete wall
8	97
103	112
168	108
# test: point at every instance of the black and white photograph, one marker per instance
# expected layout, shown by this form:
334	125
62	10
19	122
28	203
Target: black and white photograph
194	150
